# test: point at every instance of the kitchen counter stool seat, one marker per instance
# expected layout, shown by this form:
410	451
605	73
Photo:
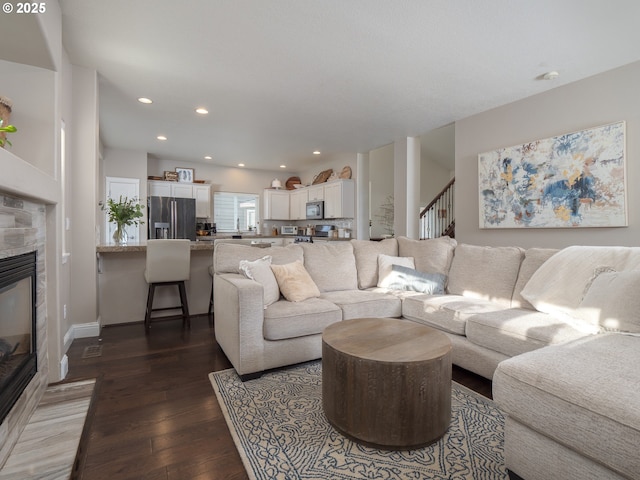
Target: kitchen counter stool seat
168	263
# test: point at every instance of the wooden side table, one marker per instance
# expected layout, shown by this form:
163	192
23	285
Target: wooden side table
387	382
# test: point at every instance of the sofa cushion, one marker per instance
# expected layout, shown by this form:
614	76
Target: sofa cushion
260	271
366	253
332	265
227	256
446	312
285	319
580	394
558	286
295	282
432	256
517	330
365	303
533	258
487	273
613	301
385	268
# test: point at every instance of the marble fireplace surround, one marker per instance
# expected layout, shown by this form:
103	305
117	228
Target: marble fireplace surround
23	230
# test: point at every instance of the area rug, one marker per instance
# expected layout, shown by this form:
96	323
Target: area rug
281	432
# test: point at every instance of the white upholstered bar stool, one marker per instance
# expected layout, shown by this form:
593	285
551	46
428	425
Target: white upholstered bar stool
168	263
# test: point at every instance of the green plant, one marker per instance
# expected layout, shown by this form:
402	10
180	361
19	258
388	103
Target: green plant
7	129
125	211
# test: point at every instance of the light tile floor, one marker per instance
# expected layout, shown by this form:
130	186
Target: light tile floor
47	446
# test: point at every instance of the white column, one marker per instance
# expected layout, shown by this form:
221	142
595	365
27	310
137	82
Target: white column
413	187
400	187
406	159
362	200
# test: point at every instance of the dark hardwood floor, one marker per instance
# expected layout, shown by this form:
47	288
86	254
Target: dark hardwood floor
155	415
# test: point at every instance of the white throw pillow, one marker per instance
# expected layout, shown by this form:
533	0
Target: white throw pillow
385	268
410	279
612	301
260	271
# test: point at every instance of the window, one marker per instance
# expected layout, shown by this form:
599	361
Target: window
234	212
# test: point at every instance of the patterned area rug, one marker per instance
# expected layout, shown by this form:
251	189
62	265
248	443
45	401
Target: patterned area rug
281	432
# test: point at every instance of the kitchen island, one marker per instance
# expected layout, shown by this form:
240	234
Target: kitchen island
122	289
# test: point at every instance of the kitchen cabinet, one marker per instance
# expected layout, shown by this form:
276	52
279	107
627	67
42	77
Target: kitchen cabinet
202	194
298	204
181	190
275	204
315	193
158	188
339	199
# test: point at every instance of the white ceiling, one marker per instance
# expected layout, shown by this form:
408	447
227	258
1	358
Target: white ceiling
282	78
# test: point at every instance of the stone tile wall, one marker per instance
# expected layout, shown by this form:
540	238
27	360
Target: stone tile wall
22	230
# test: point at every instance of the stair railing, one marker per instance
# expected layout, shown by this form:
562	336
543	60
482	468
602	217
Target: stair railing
438	218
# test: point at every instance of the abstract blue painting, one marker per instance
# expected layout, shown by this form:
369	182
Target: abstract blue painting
572	180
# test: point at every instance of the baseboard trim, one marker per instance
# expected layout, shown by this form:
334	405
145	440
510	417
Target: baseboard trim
81	330
64	367
84	330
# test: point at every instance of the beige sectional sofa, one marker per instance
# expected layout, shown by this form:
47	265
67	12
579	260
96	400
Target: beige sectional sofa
522	314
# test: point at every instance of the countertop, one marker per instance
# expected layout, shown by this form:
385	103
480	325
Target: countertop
201	244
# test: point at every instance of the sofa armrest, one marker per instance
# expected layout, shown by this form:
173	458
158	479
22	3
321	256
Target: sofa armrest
239	317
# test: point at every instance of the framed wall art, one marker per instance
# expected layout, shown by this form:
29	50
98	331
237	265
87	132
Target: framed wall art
170	176
572	180
185	174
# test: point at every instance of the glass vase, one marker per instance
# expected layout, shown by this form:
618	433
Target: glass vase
120	234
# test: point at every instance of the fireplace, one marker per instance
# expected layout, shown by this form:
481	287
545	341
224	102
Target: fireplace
18	356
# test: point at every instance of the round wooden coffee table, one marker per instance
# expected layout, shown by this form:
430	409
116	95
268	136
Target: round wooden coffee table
387	382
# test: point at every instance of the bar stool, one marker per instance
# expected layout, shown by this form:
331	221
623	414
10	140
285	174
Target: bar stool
210	312
168	263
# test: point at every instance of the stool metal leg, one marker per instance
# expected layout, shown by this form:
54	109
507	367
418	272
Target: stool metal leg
186	319
210	312
147	316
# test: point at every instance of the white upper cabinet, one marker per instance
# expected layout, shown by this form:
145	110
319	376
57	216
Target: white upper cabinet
276	204
315	193
339	199
159	188
298	204
181	190
202	194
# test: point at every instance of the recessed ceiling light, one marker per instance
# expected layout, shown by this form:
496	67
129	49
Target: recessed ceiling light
551	75
145	100
161	137
241	164
207	157
283	166
202	110
317	152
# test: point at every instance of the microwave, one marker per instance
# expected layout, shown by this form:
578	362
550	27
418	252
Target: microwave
289	230
315	210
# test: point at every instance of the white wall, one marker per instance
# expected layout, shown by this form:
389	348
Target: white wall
335	161
605	98
438	149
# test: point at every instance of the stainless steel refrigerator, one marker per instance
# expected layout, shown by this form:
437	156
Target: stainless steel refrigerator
170	217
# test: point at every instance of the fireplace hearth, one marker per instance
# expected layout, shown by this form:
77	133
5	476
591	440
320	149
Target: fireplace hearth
18	357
